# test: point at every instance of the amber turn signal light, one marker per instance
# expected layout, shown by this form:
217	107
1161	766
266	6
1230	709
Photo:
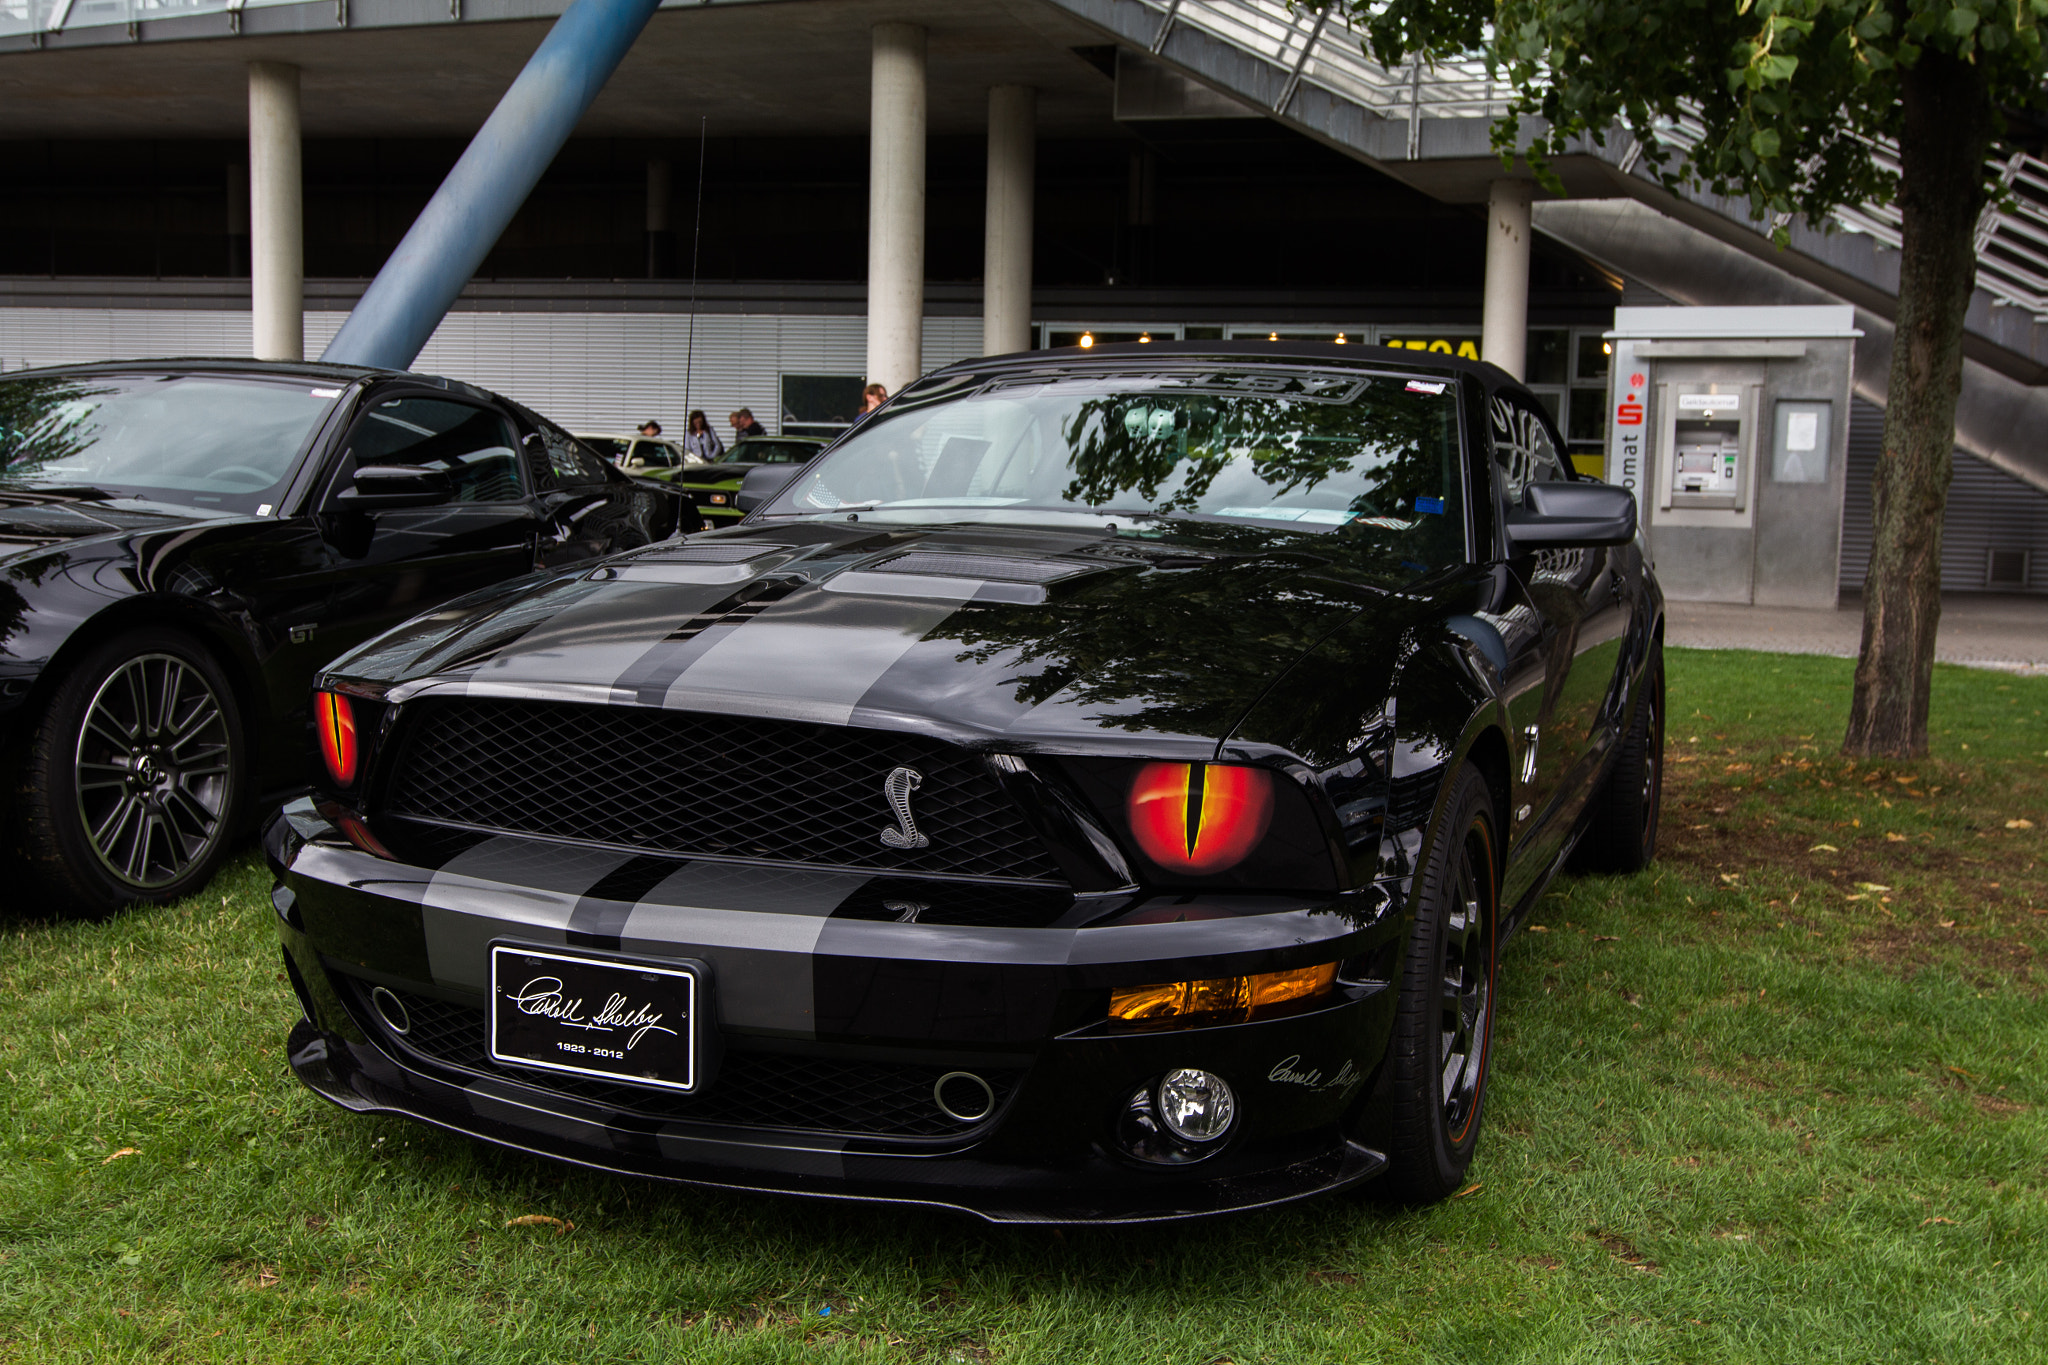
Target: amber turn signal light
335	719
1219	1000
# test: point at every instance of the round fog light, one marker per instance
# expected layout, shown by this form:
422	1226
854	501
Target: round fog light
1195	1105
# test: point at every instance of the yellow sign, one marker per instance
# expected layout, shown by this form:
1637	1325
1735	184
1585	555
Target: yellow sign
1465	348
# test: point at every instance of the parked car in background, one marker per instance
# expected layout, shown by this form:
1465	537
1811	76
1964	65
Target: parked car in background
716	486
1098	789
635	454
182	543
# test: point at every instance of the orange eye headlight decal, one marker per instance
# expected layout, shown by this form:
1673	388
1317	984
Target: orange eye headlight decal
1199	817
335	719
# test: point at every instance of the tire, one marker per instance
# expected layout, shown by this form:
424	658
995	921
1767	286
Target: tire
1443	1034
135	777
1621	820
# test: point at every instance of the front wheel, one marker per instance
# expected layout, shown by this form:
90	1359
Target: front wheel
135	775
1443	1034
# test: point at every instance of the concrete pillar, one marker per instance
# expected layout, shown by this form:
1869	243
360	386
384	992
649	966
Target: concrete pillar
896	208
277	246
1504	332
1006	254
661	237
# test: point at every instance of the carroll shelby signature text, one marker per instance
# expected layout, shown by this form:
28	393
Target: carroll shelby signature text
1288	1072
543	996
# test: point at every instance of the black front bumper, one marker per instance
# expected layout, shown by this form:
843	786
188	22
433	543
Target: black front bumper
1047	1154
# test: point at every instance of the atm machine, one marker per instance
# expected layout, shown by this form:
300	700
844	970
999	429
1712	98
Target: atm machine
1730	426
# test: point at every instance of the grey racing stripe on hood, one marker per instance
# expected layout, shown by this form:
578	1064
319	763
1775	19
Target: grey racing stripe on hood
598	640
811	656
504	887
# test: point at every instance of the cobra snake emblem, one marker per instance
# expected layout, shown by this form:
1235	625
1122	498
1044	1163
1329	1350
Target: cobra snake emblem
898	786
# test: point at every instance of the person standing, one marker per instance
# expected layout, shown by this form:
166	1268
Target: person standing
871	397
650	427
700	440
744	425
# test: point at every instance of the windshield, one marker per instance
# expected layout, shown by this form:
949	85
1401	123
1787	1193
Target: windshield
207	440
1308	449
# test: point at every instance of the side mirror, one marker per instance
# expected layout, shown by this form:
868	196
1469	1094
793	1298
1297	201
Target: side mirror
1559	516
378	488
763	482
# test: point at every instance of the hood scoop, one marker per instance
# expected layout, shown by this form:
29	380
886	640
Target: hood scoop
706	562
961	577
993	568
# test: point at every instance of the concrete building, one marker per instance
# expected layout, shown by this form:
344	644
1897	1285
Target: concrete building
887	185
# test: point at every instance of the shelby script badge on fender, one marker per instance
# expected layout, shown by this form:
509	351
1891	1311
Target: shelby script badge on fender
624	1021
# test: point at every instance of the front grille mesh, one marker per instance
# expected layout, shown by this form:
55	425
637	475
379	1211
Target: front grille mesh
751	1089
681	783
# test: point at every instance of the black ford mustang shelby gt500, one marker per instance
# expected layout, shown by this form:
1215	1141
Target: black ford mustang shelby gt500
1097	789
183	542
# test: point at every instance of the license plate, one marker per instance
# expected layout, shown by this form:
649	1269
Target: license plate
622	1021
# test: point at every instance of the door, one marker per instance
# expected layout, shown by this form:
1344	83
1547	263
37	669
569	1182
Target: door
1563	727
393	564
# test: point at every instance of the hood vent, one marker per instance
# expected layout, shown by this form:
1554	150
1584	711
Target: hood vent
710	552
990	568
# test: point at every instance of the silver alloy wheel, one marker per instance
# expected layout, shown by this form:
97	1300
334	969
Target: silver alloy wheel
1465	1008
153	770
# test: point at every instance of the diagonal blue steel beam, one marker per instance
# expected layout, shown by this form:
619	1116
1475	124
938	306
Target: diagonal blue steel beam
464	219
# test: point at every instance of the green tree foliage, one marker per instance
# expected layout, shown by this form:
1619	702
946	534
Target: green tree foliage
1791	96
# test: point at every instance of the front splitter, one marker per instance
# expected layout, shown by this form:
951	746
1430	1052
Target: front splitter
329	1068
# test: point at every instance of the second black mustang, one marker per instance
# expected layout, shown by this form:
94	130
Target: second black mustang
1097	789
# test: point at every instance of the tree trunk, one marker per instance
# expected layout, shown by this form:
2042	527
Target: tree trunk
1944	138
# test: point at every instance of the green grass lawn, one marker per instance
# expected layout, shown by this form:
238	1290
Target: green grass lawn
1781	1098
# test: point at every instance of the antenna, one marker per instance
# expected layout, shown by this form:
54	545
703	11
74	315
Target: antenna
696	238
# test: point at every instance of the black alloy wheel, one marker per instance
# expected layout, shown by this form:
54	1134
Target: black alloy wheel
133	785
1443	1033
1621	819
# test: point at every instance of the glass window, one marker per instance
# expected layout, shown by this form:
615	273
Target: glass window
1315	450
613	448
1549	353
768	450
473	446
204	440
1593	353
1523	447
820	404
556	457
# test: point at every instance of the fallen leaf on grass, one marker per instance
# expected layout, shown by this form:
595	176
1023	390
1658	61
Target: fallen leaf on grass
1539	928
125	1151
1730	876
1855	898
1893	838
1871	886
265	1278
1607	938
531	1220
1468	1189
2019	824
1946	923
1823	848
1925	1221
1960	1072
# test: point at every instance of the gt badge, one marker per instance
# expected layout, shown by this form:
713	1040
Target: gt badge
898	786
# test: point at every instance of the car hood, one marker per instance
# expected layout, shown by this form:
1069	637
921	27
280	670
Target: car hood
1074	640
35	517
